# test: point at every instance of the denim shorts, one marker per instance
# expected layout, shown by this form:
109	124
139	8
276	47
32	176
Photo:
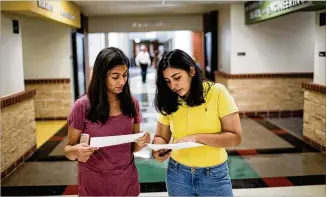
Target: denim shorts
187	181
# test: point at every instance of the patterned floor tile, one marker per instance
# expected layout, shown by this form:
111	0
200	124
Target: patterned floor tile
256	136
277	182
46	129
293	125
43	174
239	169
281	165
151	170
33	190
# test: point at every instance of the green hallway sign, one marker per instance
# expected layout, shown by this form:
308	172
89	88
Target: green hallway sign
257	11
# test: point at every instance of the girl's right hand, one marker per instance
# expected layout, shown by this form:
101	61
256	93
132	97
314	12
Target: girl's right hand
84	152
156	155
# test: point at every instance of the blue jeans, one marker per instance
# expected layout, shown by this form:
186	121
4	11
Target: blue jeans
186	181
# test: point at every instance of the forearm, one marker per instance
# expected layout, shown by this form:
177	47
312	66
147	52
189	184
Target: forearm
70	152
159	140
220	140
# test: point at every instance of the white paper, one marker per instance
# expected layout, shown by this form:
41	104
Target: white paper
114	140
174	146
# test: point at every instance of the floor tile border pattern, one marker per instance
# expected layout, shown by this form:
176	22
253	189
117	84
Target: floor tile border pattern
161	186
45	150
300	146
42	154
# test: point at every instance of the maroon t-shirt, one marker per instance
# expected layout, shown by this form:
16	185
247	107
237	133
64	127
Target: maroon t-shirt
110	171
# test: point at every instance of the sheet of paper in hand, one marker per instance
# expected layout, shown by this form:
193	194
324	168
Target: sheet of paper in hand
114	140
174	146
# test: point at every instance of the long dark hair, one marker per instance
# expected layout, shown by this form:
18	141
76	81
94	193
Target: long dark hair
107	59
166	101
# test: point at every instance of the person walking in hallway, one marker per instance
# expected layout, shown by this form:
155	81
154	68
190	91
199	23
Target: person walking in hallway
192	109
108	109
143	60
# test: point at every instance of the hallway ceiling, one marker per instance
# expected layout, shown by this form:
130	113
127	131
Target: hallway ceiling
145	7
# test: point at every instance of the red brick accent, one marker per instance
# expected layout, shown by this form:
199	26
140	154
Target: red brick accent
15	165
314	144
47	81
273	114
264	75
16	98
314	87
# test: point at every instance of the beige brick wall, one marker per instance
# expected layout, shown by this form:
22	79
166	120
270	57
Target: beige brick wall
266	94
51	100
314	117
18	133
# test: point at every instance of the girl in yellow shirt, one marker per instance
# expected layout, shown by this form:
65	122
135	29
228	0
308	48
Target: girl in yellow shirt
194	109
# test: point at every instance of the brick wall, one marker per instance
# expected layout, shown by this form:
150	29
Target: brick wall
314	117
267	93
53	98
18	135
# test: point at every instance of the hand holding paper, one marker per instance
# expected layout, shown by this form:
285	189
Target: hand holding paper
143	141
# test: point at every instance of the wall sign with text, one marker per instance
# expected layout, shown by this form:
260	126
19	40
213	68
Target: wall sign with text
150	24
62	11
257	11
49	7
45	5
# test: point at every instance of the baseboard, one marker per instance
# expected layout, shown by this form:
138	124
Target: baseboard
52	118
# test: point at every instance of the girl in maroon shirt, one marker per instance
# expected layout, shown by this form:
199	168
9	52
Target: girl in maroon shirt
108	109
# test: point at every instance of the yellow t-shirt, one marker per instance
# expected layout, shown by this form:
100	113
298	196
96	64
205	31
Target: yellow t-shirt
204	118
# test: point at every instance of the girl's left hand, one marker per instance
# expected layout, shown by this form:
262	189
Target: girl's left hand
142	141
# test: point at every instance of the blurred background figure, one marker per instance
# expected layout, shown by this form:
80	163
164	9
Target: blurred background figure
143	60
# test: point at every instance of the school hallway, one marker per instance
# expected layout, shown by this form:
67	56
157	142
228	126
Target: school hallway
271	161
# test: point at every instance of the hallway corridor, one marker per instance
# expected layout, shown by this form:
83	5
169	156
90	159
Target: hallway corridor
270	157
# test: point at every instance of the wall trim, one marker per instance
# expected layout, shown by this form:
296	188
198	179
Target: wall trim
314	144
16	98
314	87
47	81
273	113
51	118
263	75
